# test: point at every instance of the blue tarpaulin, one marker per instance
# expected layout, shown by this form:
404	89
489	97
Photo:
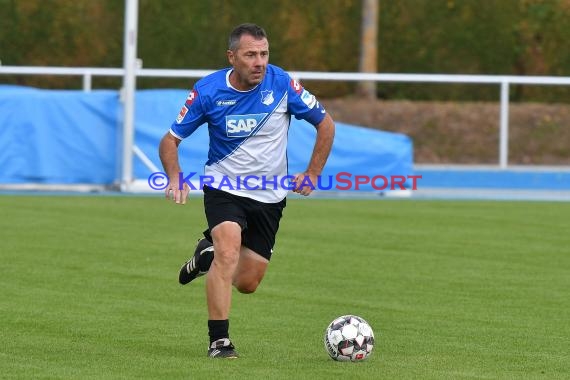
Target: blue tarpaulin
70	137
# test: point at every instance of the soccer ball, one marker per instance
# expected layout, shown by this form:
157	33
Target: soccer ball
349	338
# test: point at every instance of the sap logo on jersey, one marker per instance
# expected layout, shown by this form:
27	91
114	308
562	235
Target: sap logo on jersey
243	125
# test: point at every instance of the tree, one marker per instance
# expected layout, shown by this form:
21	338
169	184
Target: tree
368	47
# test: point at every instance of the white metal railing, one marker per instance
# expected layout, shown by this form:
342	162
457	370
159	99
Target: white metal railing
504	82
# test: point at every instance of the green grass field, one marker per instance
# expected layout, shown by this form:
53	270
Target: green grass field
453	290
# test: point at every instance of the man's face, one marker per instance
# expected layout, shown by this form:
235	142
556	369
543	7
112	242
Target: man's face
249	61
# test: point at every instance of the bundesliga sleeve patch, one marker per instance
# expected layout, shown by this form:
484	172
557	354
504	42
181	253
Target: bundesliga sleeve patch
182	113
309	99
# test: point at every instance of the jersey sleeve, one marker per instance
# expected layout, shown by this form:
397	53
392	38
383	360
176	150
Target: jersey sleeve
302	104
191	116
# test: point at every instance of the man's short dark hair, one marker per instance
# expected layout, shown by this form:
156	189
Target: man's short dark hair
253	30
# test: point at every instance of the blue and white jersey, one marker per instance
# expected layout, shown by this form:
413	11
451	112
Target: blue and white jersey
247	129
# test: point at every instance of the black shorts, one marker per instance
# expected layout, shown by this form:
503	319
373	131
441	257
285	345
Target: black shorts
259	221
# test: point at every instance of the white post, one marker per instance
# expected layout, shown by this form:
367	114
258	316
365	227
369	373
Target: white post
129	86
504	126
87	81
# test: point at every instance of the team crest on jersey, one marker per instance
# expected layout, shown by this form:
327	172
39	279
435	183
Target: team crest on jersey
267	97
296	86
243	125
191	96
181	115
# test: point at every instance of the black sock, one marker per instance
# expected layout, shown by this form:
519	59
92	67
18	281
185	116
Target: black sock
218	329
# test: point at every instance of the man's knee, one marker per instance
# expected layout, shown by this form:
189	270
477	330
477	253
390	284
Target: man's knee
227	238
246	287
226	257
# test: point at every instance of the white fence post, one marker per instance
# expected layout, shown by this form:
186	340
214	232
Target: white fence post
129	86
87	81
504	126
